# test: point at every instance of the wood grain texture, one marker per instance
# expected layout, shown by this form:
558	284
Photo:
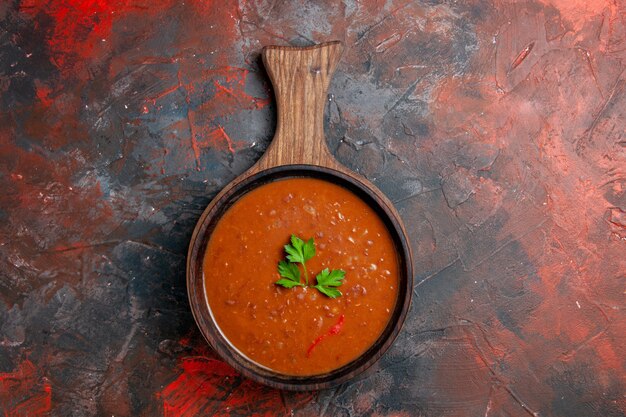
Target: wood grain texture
300	77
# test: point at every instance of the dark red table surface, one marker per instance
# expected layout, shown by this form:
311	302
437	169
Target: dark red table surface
497	129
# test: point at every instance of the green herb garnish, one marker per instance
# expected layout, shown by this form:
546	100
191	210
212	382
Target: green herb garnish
298	252
326	280
290	274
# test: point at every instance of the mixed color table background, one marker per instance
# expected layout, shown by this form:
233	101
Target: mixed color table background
496	127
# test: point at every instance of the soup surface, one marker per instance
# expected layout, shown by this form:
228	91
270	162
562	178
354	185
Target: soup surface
300	331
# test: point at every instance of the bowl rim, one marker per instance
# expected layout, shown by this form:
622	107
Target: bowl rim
200	306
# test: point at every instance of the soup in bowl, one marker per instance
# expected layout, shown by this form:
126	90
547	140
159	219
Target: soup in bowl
300	278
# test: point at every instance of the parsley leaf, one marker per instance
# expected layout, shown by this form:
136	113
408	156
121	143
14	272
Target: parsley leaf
287	283
326	280
300	251
290	274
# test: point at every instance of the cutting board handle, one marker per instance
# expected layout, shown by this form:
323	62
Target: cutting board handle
300	77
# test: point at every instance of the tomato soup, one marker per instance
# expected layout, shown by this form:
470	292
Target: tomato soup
300	331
